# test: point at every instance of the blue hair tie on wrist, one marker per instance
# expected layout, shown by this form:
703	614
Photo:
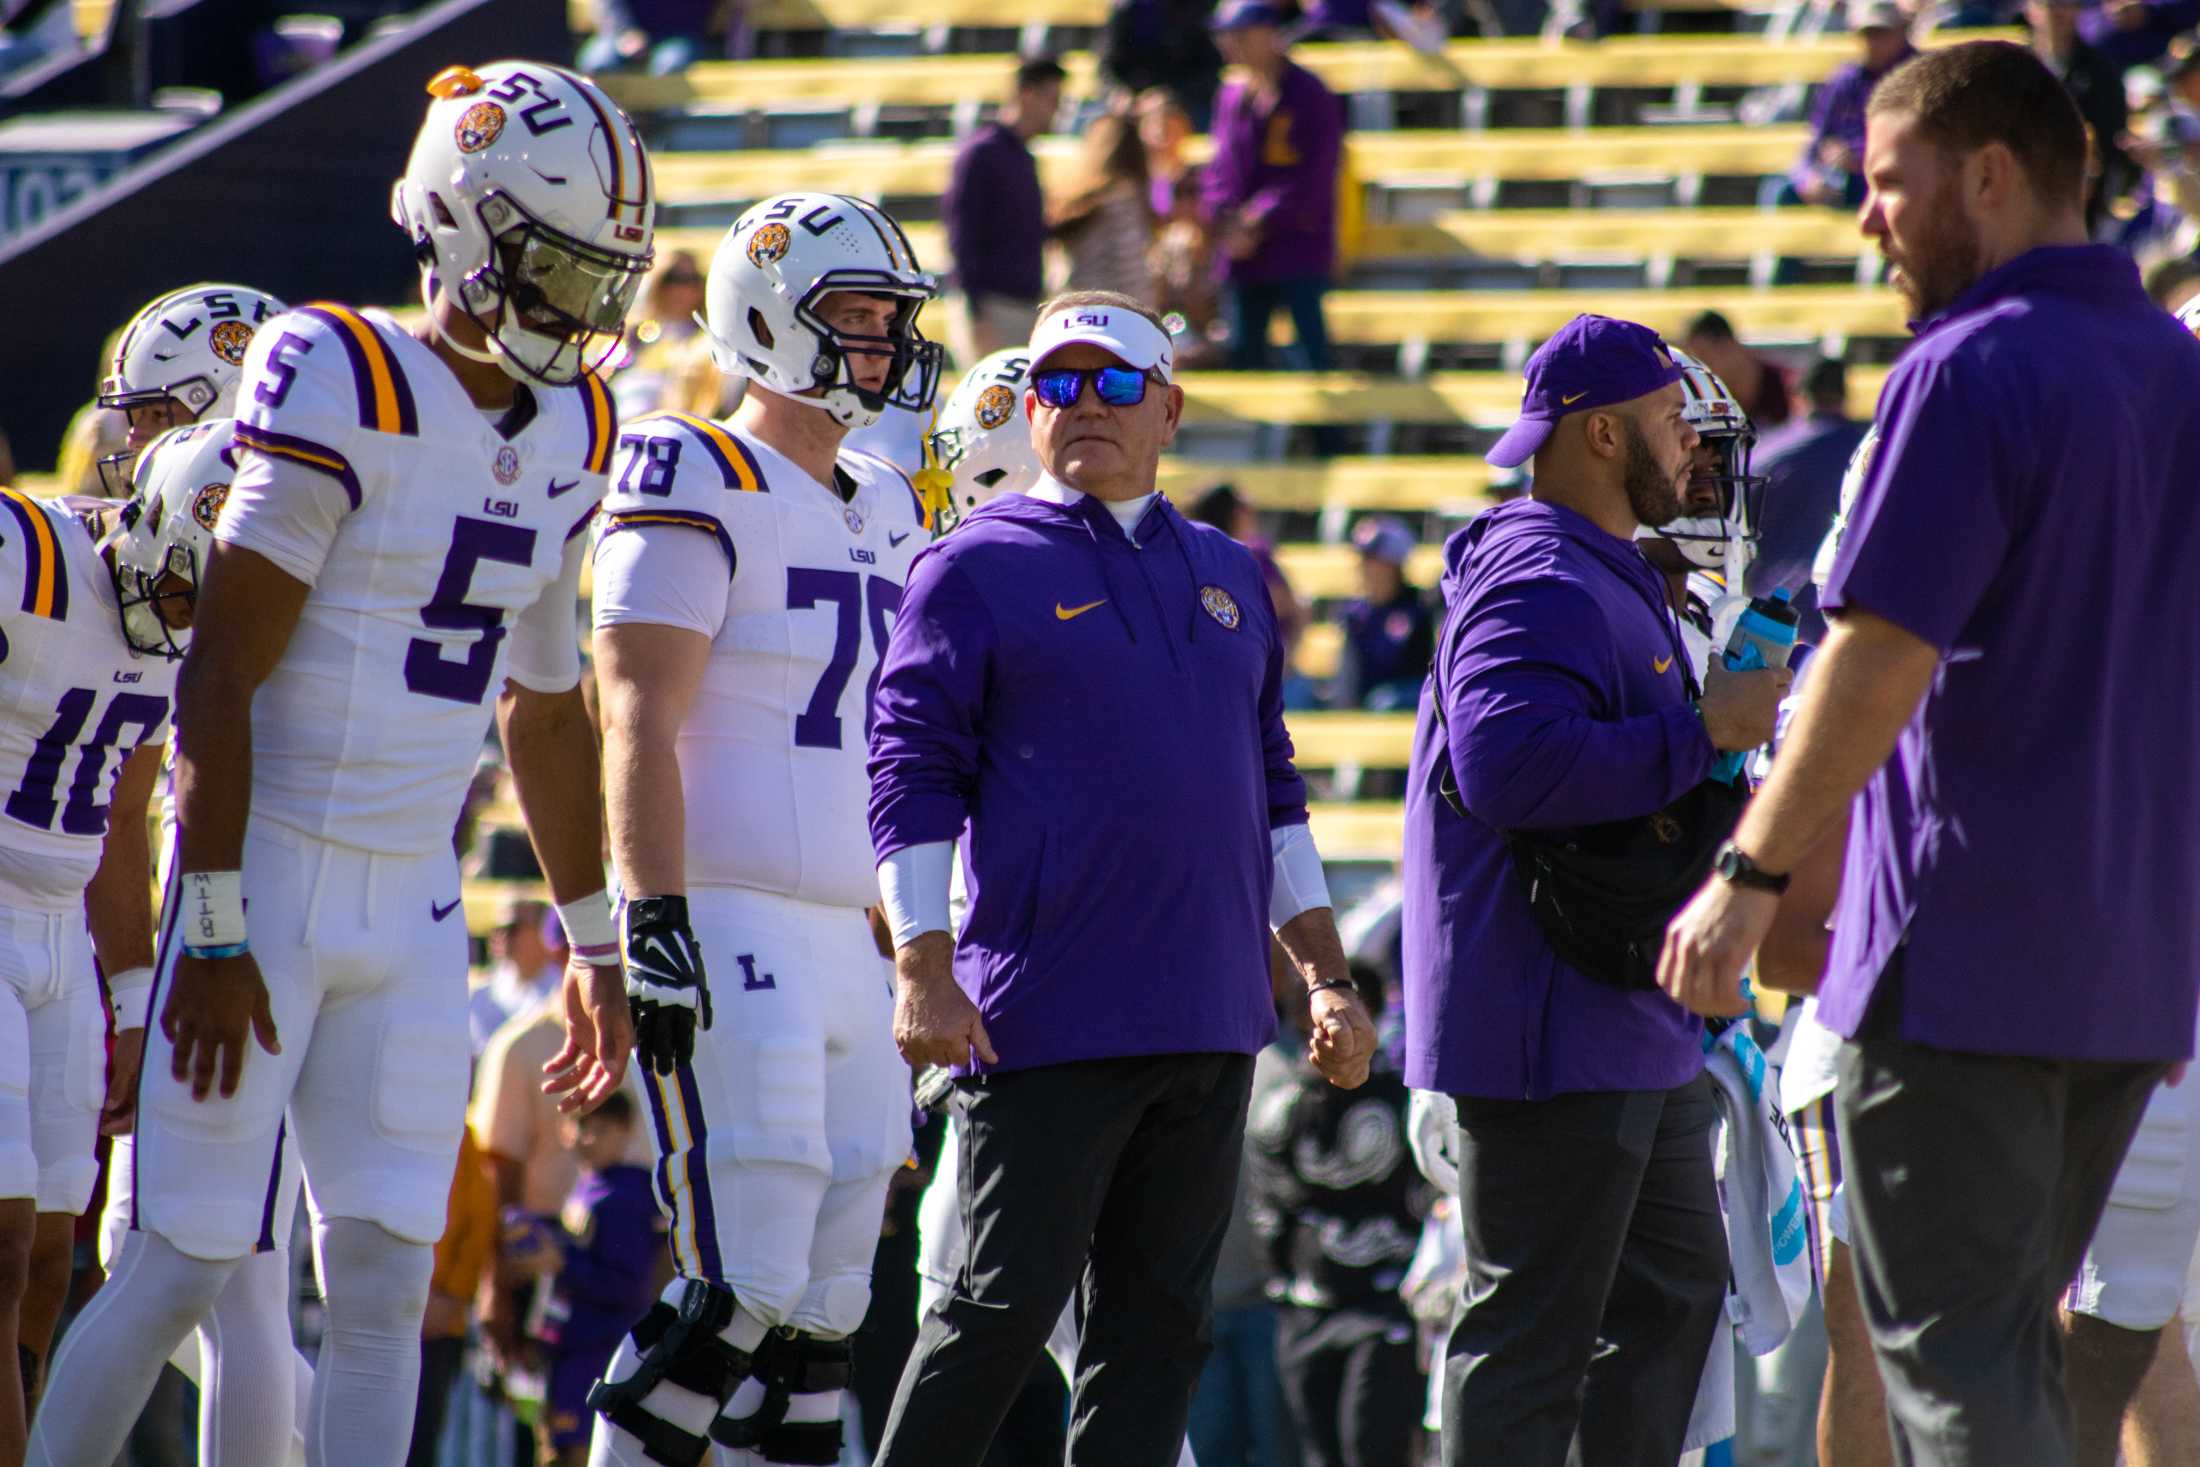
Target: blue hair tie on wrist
228	950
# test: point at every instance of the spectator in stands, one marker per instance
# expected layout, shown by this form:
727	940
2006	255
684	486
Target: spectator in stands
1390	632
661	37
1106	225
1417	25
1164	44
2097	84
663	336
1164	127
1803	464
996	219
1336	1207
1271	190
462	1256
600	1255
1831	170
1757	382
1225	509
2136	32
527	958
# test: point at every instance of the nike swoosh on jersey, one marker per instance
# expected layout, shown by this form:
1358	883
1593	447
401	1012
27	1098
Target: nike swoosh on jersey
445	910
1071	613
894	539
556	488
1659	665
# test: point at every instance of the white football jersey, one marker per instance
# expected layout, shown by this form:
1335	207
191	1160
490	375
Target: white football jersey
798	607
443	558
75	701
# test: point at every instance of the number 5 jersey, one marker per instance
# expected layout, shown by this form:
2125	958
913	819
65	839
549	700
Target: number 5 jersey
443	544
795	584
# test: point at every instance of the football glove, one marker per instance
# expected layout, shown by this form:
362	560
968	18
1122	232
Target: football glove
664	981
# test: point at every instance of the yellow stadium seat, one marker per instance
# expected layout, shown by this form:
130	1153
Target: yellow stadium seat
1448	482
1332	572
919	169
1359	831
485	901
1489	399
1646	62
1324	740
1390	317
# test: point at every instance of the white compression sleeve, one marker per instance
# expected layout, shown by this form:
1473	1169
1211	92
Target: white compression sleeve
1301	884
913	882
368	1379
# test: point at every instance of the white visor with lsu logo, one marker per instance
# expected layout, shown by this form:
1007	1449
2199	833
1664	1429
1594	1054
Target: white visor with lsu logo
1134	340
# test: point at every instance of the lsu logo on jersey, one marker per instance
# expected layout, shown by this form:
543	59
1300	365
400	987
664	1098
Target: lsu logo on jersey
994	406
1220	605
479	126
768	244
229	341
206	505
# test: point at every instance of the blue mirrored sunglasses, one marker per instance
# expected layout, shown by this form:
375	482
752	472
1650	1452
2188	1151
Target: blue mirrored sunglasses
1060	387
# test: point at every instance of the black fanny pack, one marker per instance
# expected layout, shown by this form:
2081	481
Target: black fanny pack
1603	894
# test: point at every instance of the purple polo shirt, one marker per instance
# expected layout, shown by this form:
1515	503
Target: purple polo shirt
2033	511
1566	706
995	216
1277	166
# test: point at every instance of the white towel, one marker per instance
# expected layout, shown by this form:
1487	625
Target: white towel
1763	1203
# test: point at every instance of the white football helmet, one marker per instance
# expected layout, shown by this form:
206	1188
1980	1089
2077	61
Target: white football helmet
1723	541
777	262
529	202
1852	485
167	528
2188	315
188	345
983	439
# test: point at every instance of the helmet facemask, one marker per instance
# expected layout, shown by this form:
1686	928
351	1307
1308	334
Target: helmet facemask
913	365
1704	540
138	586
545	298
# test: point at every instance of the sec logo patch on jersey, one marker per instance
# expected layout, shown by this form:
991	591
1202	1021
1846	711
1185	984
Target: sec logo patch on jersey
479	126
506	466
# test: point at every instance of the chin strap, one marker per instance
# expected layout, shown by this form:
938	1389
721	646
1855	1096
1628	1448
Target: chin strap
429	290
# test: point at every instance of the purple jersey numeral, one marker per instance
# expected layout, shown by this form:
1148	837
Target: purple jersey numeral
850	592
427	670
33	801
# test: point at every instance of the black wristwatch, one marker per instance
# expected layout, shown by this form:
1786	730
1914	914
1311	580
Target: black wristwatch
1732	865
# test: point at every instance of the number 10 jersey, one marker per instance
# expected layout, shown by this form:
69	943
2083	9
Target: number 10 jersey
443	556
796	585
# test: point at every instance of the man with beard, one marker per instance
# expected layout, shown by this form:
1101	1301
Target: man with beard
2015	946
1562	697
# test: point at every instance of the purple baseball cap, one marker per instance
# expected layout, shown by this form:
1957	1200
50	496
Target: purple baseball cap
1593	362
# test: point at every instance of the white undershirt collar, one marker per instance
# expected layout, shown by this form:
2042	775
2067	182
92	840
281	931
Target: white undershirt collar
1127	512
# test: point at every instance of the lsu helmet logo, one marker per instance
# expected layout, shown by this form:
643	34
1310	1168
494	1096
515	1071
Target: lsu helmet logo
1220	605
206	505
479	126
768	244
994	407
229	341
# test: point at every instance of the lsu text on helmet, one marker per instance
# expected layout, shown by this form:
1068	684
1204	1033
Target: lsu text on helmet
529	202
187	346
774	267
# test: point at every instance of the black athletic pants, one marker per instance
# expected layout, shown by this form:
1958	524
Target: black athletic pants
1596	1276
1974	1184
1134	1161
1352	1385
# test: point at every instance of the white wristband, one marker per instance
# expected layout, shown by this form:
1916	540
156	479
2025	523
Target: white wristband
588	928
913	887
129	991
213	908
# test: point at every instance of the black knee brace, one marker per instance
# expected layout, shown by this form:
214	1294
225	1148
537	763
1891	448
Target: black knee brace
791	1363
682	1345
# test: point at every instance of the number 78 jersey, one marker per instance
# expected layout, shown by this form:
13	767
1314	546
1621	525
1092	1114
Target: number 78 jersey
443	557
796	585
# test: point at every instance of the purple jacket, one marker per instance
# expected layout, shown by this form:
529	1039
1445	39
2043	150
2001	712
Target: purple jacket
1278	169
1107	718
995	215
611	1228
1839	113
1565	705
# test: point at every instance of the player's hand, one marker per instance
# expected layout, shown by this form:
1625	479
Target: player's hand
119	1113
664	981
1342	1045
599	1038
211	1005
1740	708
1709	944
935	1023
